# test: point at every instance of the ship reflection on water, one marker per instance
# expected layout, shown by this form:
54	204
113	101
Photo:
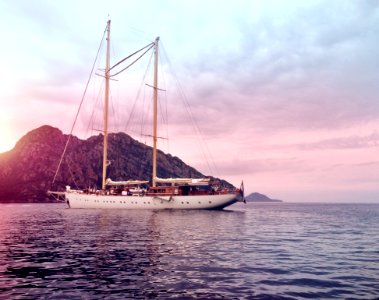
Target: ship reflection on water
98	253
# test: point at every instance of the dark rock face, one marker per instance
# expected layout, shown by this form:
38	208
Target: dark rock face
27	171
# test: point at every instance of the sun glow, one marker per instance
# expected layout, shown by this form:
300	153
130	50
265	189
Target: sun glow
6	141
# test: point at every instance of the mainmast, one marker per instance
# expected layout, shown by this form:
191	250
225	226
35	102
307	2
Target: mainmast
155	98
106	101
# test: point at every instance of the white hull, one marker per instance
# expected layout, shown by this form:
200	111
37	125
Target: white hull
81	200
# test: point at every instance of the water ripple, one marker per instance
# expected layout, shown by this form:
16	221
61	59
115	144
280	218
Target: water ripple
257	251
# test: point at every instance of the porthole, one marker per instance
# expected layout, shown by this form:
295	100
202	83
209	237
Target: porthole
210	202
187	202
199	202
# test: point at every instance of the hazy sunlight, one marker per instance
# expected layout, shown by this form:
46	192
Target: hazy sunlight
6	141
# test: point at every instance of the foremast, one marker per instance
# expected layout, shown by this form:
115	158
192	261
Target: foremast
106	101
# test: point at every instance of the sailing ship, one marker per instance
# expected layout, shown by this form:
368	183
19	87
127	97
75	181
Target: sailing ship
164	193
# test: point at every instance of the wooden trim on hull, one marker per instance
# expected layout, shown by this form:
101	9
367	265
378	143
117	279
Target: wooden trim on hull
80	200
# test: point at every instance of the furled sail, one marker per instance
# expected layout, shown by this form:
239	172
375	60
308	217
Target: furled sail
110	182
190	181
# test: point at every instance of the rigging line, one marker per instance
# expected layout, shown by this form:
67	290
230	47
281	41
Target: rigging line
167	124
138	94
80	106
92	120
163	104
204	146
197	128
132	62
72	173
163	107
113	112
163	113
164	116
192	118
124	59
142	125
147	112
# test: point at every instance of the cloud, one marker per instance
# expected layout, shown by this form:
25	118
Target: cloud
350	142
275	66
243	166
301	70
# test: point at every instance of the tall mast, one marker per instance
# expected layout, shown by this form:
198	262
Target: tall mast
155	96
106	100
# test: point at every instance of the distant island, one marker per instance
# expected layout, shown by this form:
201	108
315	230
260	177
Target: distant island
257	197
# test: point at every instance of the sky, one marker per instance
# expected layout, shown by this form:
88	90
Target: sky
285	93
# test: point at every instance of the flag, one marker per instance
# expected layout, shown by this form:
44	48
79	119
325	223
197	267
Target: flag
242	192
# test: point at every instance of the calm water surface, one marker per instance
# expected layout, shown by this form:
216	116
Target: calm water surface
254	251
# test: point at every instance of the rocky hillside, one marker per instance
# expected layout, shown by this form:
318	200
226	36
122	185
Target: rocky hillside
27	171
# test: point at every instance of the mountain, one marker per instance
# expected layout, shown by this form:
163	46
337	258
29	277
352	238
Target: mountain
257	197
27	171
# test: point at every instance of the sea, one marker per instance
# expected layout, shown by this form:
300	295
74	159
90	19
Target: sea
252	251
